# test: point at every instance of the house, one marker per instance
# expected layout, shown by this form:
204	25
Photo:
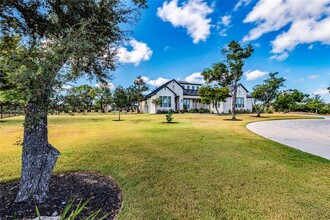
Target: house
180	95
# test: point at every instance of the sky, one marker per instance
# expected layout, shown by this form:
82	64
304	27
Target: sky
178	39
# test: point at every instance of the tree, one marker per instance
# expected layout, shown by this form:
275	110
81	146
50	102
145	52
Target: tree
120	99
169	116
287	100
156	102
264	93
213	95
84	95
139	88
229	73
315	103
103	96
44	44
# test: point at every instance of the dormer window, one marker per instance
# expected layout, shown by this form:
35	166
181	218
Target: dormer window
188	87
193	87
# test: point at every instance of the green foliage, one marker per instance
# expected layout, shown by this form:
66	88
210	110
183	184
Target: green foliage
46	43
169	116
67	215
156	102
103	96
264	93
120	97
315	103
288	100
213	95
201	110
229	73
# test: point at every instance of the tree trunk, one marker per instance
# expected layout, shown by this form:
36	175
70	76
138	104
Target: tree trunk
38	156
119	114
258	114
233	101
216	108
101	105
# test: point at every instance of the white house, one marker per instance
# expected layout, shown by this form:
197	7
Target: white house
178	95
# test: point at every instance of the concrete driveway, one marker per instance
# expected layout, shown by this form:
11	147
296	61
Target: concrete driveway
308	135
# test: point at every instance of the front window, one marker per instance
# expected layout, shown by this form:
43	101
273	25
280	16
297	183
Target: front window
193	87
165	101
240	102
186	103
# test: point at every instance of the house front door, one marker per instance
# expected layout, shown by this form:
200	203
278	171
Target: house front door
177	103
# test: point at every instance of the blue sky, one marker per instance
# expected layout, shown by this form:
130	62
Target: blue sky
177	39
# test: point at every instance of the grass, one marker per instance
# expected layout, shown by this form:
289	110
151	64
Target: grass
203	167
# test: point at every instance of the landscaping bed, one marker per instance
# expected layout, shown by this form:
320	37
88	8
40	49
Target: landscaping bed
102	193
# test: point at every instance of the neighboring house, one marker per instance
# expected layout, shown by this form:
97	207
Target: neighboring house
180	95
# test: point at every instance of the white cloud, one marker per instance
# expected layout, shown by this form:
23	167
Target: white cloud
195	78
313	77
155	82
109	85
192	15
225	24
253	75
301	79
140	52
225	20
321	92
67	87
223	33
308	23
241	3
279	57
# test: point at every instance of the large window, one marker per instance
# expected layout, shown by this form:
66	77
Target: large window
186	103
165	101
240	102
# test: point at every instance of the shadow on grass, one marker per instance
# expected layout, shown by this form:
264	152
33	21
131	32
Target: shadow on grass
1	121
253	116
118	120
232	119
170	122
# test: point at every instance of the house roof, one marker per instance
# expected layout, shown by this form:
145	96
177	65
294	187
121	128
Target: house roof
190	92
160	88
188	83
239	84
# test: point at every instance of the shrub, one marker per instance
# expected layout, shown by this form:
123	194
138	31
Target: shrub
169	117
69	213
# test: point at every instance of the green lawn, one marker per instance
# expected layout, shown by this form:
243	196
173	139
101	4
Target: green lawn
203	167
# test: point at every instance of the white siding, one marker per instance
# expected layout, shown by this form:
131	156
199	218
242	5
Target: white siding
224	107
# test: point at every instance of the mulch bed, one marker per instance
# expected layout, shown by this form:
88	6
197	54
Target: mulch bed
102	193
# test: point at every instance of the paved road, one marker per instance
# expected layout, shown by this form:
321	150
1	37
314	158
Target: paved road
308	135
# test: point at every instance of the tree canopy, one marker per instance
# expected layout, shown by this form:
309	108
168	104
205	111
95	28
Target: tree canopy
44	44
213	95
228	73
264	93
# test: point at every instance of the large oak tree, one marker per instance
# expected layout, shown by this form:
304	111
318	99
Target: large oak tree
46	43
